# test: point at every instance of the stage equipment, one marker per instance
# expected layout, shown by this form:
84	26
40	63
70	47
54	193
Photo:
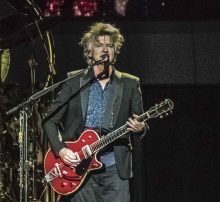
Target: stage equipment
19	28
6	151
23	27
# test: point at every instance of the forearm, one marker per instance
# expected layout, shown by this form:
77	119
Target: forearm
51	131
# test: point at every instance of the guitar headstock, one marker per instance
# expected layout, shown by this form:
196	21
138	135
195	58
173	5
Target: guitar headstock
162	109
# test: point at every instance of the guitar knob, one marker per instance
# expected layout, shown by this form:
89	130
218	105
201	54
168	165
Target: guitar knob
72	184
63	184
94	165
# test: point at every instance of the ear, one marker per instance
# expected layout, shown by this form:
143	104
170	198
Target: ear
88	56
89	53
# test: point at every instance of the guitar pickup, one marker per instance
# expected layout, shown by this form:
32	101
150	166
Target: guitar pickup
86	151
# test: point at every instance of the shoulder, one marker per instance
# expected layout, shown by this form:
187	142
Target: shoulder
73	77
75	73
129	78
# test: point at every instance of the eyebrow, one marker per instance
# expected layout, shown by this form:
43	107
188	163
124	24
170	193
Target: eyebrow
102	43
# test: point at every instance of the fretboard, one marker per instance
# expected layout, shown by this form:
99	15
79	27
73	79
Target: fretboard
111	137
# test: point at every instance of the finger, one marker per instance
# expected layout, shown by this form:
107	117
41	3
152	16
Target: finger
69	161
66	161
134	123
73	156
73	160
76	157
132	127
139	124
135	116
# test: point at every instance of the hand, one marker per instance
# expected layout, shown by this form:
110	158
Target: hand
134	125
69	157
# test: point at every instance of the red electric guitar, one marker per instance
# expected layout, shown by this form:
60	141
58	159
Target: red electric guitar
66	179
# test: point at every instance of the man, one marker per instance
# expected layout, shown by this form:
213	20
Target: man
107	104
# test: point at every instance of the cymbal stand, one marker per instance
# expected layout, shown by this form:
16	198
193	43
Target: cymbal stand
33	142
24	156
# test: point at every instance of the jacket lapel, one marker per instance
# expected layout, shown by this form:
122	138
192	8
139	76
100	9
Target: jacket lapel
118	98
114	102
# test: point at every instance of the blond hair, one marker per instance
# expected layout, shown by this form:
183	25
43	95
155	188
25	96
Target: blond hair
100	29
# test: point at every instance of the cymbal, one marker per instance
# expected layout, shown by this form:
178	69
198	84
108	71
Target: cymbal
4	63
20	28
11	23
18	5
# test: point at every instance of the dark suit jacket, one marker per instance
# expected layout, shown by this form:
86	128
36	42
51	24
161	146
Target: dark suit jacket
125	100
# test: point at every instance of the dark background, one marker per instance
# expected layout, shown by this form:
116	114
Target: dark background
178	160
159	52
176	58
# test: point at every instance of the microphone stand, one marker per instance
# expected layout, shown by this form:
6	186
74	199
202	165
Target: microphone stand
106	68
43	92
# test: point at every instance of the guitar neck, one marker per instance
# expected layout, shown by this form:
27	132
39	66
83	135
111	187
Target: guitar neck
111	137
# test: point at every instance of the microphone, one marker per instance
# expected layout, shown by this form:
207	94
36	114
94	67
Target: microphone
104	59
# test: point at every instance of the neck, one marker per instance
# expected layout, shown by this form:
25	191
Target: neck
100	68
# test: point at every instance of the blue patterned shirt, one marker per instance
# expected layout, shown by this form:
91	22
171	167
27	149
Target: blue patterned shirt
98	98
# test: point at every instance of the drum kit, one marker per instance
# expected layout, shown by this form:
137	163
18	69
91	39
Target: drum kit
22	144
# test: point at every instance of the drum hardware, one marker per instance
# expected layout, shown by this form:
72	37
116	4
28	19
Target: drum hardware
27	163
6	190
25	132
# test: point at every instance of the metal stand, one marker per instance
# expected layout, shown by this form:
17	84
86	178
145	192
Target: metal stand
24	157
32	64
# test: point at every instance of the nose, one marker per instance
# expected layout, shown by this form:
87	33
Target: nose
105	49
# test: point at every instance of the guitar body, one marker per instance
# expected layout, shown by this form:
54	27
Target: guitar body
65	179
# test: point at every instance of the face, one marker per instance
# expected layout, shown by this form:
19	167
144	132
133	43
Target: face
103	45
